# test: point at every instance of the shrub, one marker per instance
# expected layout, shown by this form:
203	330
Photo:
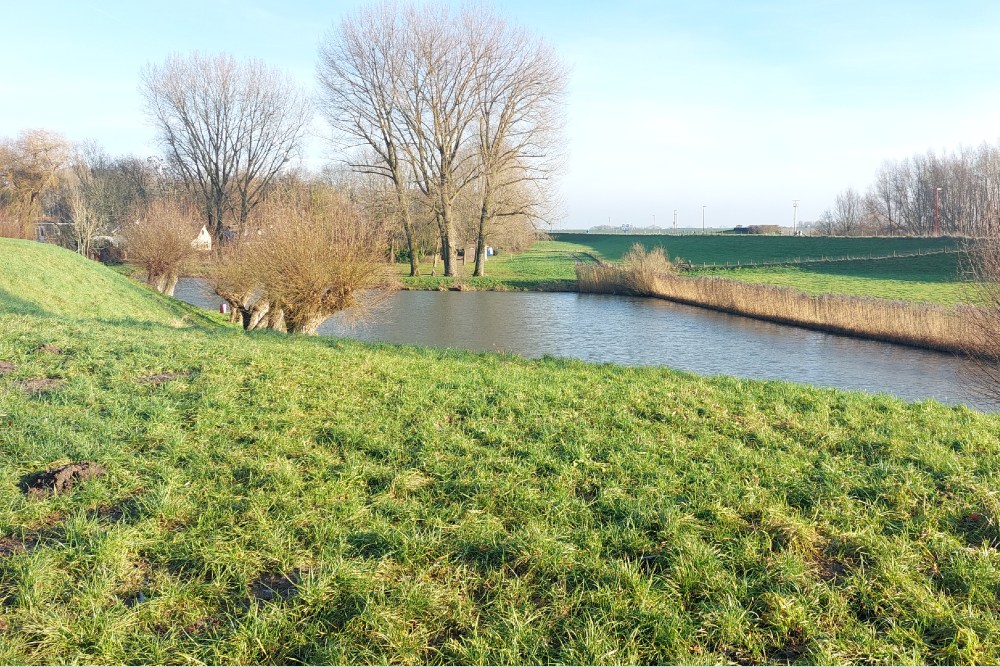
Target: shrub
159	242
309	256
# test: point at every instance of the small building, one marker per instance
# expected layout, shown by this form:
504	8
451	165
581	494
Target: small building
203	241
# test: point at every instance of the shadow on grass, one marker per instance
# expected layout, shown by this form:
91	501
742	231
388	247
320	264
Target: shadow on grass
18	306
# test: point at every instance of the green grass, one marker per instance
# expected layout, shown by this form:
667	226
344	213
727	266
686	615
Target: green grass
941	277
546	265
41	279
934	278
447	507
720	249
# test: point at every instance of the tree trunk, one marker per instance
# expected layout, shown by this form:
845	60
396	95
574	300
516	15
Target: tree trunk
306	323
163	283
404	207
484	216
446	226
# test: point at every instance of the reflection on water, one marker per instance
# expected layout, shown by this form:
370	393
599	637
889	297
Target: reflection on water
641	332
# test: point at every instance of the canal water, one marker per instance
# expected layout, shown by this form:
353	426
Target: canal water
649	332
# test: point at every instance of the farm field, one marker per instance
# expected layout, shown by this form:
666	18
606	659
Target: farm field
728	248
273	499
938	277
933	278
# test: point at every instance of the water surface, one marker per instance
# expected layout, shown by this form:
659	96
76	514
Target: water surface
650	332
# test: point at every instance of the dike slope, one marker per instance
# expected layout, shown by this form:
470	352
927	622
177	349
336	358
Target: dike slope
46	280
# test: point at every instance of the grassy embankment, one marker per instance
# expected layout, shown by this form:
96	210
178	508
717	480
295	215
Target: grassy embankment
918	324
286	499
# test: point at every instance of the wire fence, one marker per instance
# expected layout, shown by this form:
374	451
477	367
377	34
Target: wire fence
824	259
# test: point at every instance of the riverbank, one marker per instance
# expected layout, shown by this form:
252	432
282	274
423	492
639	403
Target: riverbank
920	325
281	499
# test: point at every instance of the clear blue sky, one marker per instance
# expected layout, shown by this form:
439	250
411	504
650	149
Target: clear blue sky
741	106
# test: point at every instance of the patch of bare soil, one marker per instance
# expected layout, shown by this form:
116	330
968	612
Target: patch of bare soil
39	385
59	480
271	585
12	545
159	378
50	348
7	367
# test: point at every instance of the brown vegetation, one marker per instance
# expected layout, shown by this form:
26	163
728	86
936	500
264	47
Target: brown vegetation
29	170
310	255
921	325
159	242
986	320
639	276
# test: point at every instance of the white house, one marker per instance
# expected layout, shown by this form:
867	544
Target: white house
203	241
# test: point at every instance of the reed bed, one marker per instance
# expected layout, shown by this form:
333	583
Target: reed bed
949	329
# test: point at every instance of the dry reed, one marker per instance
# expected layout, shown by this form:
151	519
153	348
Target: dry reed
930	326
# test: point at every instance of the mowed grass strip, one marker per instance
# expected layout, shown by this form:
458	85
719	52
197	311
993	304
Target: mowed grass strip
291	500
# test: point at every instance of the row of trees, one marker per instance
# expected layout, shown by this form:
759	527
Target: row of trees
958	191
75	193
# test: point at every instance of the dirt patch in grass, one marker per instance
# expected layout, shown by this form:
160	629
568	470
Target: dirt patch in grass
50	348
7	367
159	378
12	545
59	480
204	625
274	585
35	386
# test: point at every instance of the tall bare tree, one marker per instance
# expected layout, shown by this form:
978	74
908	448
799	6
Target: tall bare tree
360	72
443	69
518	102
228	127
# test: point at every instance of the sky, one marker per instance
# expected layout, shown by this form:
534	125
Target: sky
731	109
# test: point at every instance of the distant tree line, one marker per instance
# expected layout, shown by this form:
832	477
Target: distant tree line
958	190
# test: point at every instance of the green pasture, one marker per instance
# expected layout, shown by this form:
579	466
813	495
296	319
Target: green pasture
272	499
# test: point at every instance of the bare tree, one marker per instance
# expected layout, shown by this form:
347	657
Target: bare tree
360	73
228	127
30	168
439	110
160	242
848	212
518	101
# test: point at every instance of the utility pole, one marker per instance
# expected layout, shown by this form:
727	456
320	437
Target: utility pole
675	219
795	214
703	218
937	213
654	220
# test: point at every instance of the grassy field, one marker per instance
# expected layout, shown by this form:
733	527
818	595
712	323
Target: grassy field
547	265
272	499
940	278
721	248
